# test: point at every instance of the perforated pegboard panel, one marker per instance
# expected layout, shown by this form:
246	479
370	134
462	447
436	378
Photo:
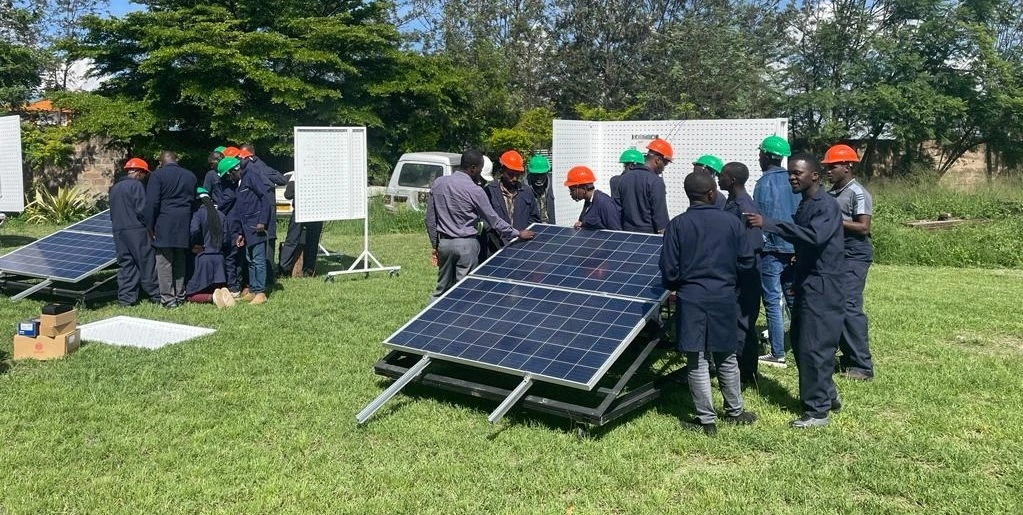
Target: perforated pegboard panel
599	144
330	173
12	185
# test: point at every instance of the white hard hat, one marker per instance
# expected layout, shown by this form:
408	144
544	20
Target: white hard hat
488	169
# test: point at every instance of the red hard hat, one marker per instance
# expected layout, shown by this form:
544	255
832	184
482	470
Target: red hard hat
513	161
242	154
840	154
231	152
662	148
136	163
580	175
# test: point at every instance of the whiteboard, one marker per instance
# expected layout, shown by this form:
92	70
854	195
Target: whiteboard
12	183
598	145
331	174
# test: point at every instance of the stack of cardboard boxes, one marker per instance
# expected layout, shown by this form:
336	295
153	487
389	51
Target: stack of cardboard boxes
54	334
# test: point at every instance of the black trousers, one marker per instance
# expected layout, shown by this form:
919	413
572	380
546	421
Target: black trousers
749	292
136	266
855	345
816	329
305	236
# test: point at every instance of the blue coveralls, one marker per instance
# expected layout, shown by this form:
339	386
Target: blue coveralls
644	201
704	250
209	263
136	262
524	211
273	178
169	196
819	311
749	289
224	191
601	213
250	209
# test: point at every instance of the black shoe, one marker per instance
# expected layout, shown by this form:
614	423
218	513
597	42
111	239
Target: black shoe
695	425
742	419
808	422
172	305
856	375
836	405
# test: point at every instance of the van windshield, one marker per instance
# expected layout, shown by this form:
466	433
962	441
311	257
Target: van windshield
418	175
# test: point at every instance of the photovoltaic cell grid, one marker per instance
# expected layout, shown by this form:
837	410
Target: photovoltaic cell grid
568	338
99	224
616	263
66	256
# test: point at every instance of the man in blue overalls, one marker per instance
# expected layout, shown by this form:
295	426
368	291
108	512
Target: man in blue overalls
819	309
704	249
136	261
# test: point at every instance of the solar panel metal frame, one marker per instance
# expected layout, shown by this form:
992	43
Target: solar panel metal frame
89	222
98	223
540	229
596	376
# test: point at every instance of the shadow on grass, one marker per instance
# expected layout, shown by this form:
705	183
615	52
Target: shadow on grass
15	240
777	394
579	418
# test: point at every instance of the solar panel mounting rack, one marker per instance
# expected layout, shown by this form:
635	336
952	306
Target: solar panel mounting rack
610	279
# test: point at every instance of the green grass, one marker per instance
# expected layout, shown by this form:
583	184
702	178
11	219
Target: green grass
259	417
995	242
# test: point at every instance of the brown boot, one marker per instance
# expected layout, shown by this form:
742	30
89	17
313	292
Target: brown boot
260	298
248	296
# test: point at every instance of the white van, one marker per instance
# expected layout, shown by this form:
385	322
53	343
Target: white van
412	176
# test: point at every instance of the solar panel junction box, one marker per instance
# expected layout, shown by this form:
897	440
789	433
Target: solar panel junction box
56	309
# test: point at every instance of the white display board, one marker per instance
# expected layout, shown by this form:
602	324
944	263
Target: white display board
330	173
598	145
12	184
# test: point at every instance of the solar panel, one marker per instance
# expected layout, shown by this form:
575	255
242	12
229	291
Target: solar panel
65	256
98	224
618	263
563	337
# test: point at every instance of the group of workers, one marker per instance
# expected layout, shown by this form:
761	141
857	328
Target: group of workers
179	241
792	245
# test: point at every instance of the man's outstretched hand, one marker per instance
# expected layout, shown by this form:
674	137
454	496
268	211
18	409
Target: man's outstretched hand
526	234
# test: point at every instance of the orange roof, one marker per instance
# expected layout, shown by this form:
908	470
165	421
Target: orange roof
40	105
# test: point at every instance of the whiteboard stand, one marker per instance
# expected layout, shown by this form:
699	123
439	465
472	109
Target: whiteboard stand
331	184
364	258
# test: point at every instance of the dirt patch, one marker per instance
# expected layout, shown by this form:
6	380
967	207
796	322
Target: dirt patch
994	345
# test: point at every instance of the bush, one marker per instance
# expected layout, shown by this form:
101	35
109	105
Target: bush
65	206
995	241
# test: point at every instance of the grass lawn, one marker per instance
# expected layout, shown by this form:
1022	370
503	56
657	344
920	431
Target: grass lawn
259	417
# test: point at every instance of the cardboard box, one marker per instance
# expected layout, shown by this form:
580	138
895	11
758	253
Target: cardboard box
29	328
56	325
44	347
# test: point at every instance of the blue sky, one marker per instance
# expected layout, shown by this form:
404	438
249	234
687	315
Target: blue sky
119	7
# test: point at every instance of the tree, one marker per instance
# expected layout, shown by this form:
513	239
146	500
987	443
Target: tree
244	71
20	63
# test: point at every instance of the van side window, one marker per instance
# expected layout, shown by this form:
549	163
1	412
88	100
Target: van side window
418	175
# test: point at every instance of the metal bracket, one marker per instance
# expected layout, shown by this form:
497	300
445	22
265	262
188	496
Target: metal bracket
392	390
508	402
31	290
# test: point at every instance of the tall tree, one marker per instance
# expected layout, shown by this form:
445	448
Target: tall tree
20	62
245	70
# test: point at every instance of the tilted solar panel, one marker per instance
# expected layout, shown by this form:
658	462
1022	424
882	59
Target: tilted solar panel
618	263
564	337
98	223
65	256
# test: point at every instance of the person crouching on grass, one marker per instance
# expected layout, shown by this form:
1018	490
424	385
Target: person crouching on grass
209	238
704	249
